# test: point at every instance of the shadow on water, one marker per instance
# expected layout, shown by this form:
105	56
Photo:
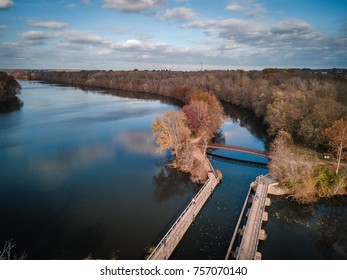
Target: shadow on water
123	93
170	182
10	105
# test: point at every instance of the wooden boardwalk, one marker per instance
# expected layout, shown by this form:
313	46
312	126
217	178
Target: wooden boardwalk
238	149
172	238
252	232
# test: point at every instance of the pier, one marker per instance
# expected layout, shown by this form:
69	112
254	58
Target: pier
174	235
252	232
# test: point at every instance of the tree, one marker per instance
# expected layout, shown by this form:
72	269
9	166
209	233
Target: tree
9	87
198	117
337	135
7	252
215	109
191	118
292	168
172	132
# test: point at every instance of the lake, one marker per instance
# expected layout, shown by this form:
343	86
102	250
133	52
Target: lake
81	178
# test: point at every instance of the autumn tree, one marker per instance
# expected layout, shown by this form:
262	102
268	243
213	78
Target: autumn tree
171	132
198	117
191	118
187	132
292	168
215	110
337	135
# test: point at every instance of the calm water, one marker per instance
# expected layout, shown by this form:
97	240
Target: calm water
80	177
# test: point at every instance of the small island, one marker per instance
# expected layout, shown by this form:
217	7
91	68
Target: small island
188	132
9	88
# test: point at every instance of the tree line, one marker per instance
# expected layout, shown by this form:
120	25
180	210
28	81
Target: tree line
303	103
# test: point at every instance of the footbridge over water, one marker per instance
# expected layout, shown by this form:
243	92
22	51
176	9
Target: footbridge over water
238	149
254	164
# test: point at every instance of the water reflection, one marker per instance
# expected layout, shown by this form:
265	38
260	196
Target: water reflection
306	231
170	182
54	167
330	236
12	104
247	119
140	142
125	94
77	175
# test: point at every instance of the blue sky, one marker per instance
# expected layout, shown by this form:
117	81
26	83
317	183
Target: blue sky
172	34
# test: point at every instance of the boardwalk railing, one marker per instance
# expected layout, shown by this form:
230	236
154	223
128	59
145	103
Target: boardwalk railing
227	256
171	239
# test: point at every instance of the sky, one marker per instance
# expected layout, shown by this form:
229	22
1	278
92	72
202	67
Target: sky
172	34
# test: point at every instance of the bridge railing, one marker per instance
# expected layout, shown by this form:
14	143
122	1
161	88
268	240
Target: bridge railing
237	148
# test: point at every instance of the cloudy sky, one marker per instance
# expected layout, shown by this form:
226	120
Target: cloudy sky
173	34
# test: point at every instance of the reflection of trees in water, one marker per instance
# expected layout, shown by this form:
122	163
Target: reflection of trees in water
125	94
326	222
247	119
291	212
10	104
171	182
330	235
219	137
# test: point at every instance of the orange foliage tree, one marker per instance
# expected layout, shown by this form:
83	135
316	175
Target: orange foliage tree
337	135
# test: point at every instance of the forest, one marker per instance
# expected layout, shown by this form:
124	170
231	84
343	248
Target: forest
298	106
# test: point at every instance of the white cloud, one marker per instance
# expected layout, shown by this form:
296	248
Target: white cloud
291	26
132	44
69	36
178	13
235	8
201	23
85	2
4	4
3	27
249	8
35	35
47	24
82	38
133	6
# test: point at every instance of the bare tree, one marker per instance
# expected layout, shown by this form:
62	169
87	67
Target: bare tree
337	135
7	253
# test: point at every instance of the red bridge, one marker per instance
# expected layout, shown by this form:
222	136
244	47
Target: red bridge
238	149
